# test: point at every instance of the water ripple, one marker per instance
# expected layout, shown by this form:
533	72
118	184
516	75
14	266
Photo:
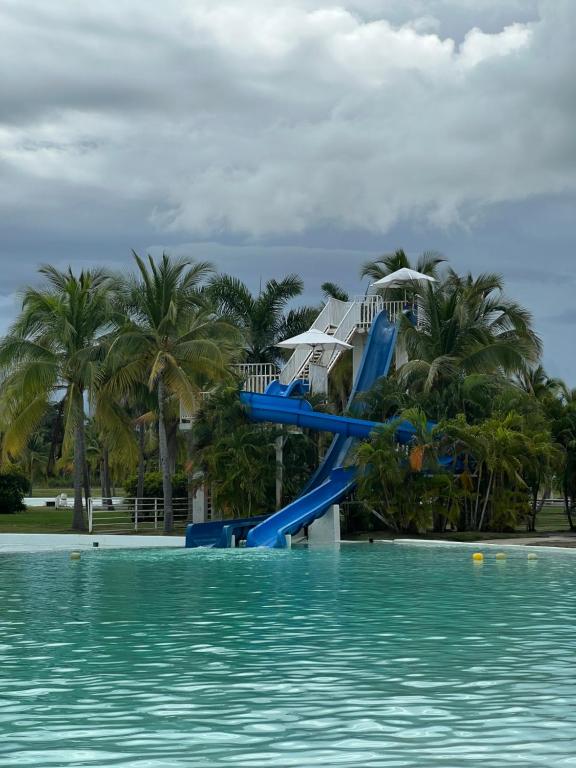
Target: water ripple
367	656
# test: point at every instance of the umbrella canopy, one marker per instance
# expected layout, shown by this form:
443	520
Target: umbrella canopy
402	276
313	338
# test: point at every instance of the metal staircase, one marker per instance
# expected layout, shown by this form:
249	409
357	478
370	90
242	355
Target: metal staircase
341	319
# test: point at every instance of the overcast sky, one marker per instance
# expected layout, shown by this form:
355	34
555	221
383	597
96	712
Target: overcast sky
279	135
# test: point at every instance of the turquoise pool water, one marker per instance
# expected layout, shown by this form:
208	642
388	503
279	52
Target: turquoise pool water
374	655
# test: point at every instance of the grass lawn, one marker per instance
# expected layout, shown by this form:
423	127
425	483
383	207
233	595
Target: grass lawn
51	493
51	520
37	520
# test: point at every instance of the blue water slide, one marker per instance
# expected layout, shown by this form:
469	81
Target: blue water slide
303	511
330	483
296	388
375	363
218	533
299	413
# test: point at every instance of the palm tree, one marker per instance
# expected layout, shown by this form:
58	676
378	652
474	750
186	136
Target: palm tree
239	467
427	264
34	458
171	341
263	318
535	381
334	291
54	351
466	325
512	452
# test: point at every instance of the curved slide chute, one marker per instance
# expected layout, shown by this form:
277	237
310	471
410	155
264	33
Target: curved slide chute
303	510
376	361
331	482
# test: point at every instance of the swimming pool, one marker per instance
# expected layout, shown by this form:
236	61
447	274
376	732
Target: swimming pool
381	655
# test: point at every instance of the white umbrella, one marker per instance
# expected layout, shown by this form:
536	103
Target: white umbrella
313	338
402	276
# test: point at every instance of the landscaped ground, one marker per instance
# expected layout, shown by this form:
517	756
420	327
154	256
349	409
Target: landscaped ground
552	520
51	493
37	520
50	520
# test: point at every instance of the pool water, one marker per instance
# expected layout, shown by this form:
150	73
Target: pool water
371	655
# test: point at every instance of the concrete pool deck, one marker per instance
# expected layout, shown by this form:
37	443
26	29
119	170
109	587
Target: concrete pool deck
566	543
51	542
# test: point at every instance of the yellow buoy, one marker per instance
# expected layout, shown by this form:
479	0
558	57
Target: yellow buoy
478	557
500	555
74	555
532	556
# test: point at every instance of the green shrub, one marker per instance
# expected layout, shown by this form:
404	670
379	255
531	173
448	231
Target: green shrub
13	487
153	485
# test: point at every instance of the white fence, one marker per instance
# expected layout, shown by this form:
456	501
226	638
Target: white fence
370	306
257	376
131	514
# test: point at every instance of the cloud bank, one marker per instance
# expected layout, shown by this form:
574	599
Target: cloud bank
263	119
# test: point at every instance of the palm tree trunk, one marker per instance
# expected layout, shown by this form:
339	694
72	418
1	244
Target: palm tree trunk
477	504
486	500
165	459
141	466
55	438
107	494
568	503
86	477
279	446
102	480
78	518
189	476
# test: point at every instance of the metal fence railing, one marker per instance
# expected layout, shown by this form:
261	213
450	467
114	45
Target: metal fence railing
257	376
134	515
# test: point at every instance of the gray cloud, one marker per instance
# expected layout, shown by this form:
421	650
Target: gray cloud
300	134
220	116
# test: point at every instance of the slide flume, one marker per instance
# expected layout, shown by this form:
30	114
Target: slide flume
331	482
303	511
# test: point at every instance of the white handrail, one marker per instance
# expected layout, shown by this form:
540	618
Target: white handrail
344	332
133	514
342	319
257	376
329	318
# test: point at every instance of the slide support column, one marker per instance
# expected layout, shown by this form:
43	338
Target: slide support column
326	529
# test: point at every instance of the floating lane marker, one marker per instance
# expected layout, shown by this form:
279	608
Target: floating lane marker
500	555
532	556
74	555
478	557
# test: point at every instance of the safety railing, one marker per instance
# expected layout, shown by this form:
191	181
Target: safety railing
371	305
344	332
329	319
257	376
129	515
